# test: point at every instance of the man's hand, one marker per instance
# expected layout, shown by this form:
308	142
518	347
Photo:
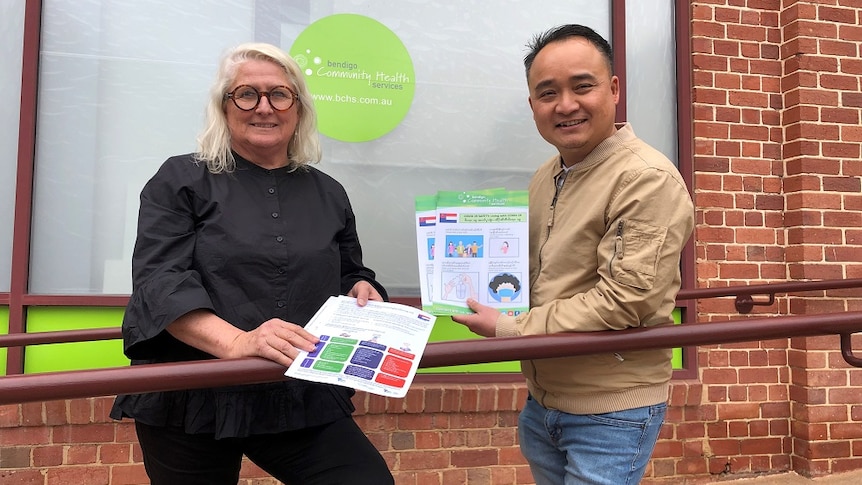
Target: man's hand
483	322
364	291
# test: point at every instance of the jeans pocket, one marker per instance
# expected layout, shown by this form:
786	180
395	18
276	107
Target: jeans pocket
632	418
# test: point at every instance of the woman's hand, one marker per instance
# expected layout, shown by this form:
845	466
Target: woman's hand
274	339
364	291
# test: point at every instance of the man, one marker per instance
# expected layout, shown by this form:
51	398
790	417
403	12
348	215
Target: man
609	217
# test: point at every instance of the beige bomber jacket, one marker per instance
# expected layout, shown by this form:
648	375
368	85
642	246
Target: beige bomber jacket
604	255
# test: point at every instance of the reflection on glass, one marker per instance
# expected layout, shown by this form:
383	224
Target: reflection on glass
106	120
11	50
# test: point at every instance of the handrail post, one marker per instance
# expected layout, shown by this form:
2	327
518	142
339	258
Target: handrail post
847	350
745	302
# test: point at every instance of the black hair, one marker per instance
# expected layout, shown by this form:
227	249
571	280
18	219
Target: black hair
563	32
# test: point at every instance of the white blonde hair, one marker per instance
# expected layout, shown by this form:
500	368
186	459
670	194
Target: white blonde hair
214	141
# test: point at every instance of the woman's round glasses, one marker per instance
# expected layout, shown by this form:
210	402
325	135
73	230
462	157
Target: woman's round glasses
246	98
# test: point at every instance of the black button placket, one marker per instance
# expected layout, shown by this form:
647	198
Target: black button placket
279	231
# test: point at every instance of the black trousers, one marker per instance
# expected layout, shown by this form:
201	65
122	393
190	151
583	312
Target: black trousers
333	454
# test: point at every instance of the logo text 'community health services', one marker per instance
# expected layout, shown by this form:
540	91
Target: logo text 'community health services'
359	74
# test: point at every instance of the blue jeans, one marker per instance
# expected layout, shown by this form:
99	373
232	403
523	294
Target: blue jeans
596	449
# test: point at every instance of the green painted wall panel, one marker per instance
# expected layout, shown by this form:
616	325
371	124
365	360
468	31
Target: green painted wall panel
445	329
4	329
75	355
102	354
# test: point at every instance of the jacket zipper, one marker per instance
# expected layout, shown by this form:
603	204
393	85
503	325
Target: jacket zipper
618	248
559	181
618	251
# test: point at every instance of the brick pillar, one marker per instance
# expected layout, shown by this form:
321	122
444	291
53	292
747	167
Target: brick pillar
821	116
740	235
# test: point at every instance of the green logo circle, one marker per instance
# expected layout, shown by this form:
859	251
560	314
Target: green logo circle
359	74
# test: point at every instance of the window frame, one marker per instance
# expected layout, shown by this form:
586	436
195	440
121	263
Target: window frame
19	299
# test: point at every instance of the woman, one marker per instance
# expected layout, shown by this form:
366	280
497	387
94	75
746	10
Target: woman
238	245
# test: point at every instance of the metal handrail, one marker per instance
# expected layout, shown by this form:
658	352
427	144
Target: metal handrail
744	302
224	372
744	293
60	337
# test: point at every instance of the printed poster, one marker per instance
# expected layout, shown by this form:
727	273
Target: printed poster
480	247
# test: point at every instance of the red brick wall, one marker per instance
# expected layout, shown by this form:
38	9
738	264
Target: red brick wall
438	434
822	163
777	189
776	154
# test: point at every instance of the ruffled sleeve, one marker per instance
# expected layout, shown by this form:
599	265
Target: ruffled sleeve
165	283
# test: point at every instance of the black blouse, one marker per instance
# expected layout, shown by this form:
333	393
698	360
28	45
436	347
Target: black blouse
250	245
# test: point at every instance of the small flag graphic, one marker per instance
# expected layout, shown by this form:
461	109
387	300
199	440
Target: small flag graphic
427	220
448	217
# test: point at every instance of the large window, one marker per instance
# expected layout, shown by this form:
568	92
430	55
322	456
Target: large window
123	84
